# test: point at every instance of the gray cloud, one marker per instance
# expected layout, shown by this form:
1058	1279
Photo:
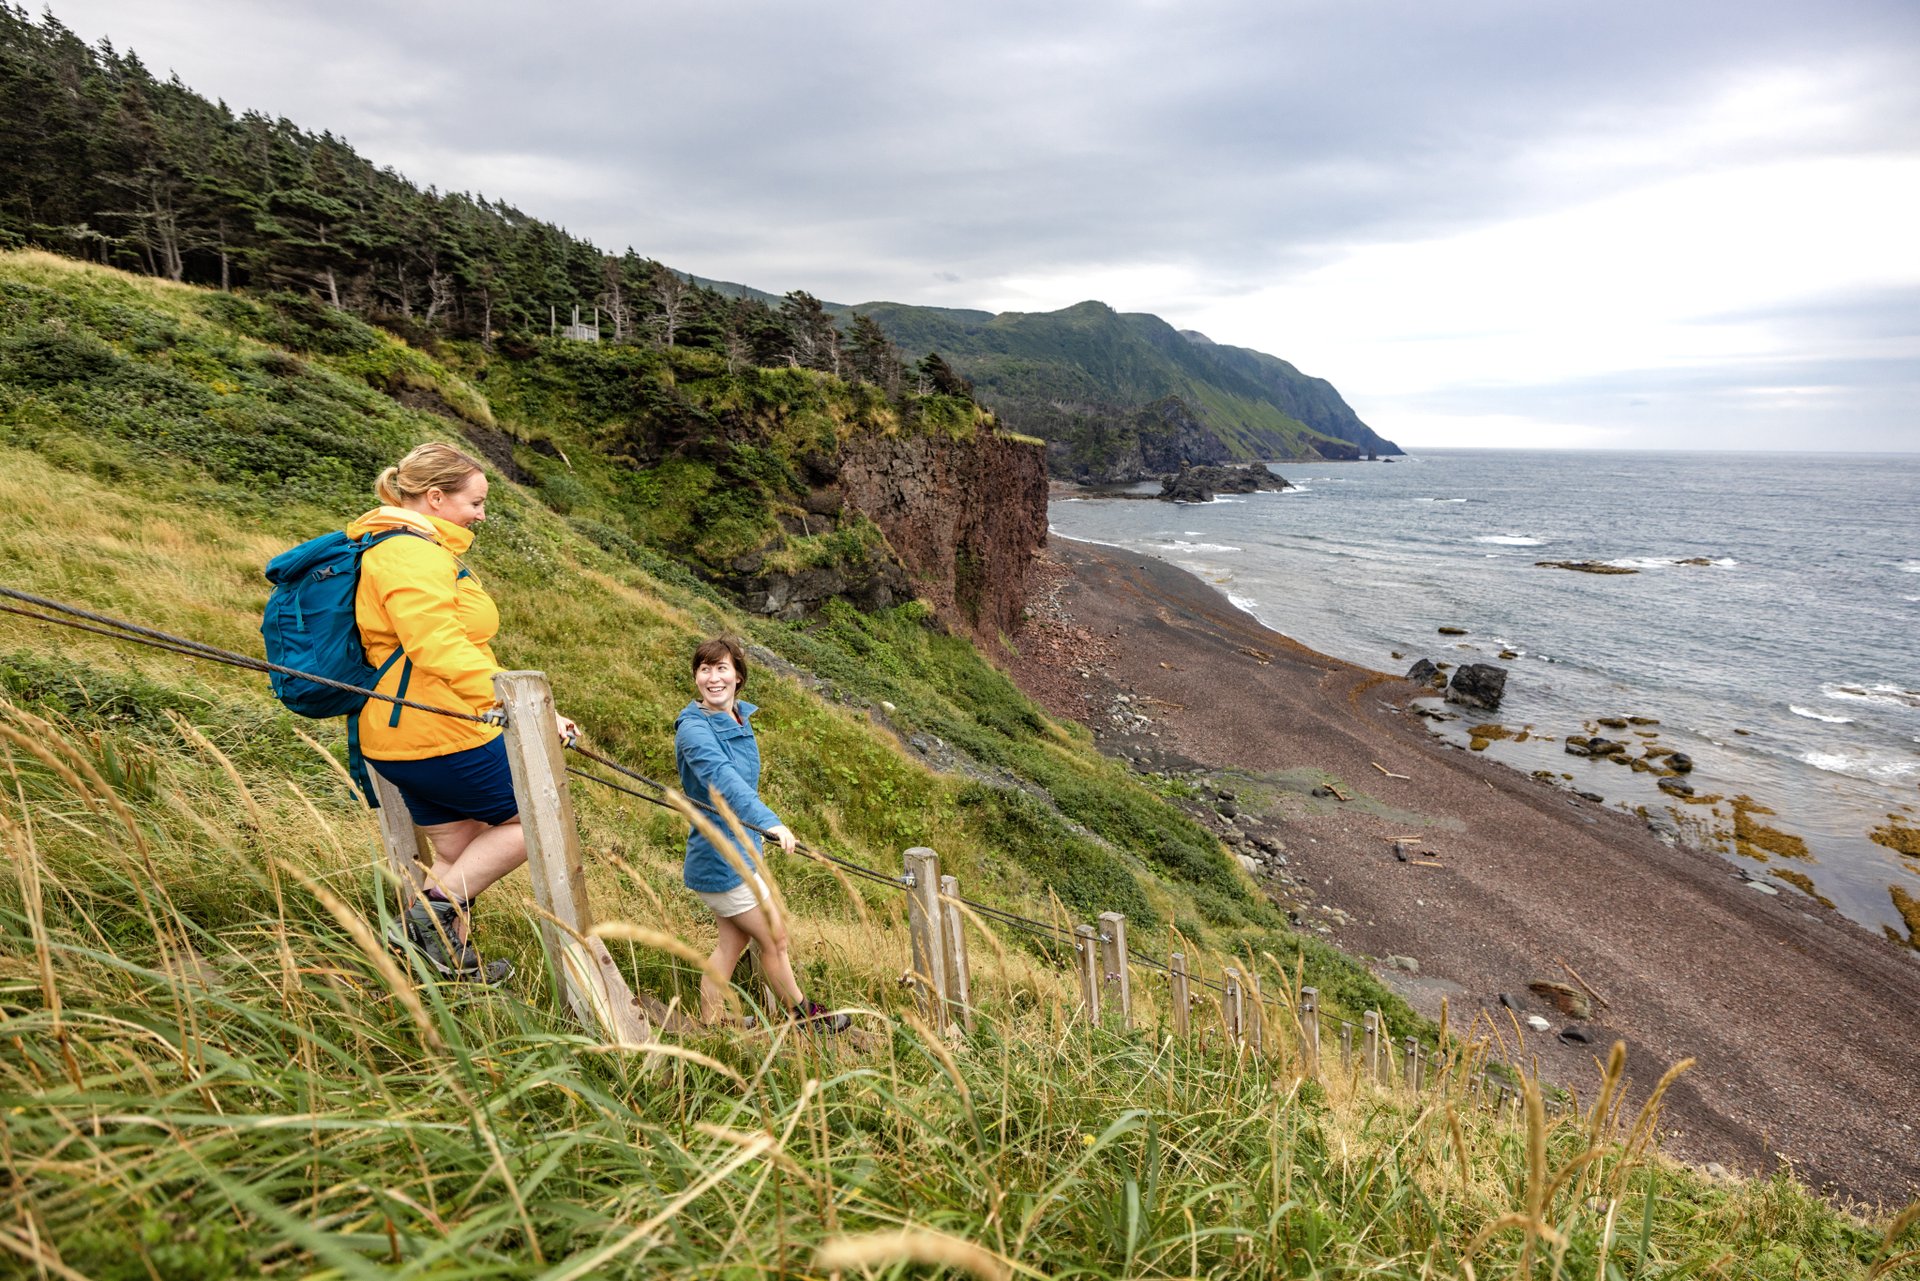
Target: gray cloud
875	150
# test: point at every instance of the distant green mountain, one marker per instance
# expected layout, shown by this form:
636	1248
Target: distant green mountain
1118	396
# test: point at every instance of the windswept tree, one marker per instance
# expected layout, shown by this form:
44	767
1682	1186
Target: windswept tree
871	355
936	375
815	341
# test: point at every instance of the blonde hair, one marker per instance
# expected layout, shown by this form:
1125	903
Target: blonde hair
429	466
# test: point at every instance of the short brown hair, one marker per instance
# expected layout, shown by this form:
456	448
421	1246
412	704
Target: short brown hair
727	647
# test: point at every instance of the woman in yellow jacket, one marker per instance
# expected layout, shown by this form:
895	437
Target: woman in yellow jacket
415	595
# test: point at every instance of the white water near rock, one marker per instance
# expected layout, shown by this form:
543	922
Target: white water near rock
1787	665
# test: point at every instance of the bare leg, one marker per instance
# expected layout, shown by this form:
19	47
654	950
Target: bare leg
469	855
735	932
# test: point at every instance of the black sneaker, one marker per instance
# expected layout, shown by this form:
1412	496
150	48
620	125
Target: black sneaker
821	1017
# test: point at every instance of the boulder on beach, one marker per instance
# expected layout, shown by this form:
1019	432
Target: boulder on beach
1423	672
1478	685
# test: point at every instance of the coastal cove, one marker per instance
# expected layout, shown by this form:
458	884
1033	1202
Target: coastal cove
1318	774
1762	611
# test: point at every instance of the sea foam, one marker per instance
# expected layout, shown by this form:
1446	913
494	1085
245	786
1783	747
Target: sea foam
1812	715
1884	695
1510	540
1881	769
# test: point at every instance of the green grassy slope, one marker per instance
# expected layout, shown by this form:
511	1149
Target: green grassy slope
209	1068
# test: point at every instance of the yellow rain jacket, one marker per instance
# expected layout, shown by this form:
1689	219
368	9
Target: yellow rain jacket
415	594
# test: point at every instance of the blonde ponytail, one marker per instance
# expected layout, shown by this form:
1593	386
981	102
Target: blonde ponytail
430	466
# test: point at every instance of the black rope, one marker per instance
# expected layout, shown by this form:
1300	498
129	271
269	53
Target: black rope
857	869
123	630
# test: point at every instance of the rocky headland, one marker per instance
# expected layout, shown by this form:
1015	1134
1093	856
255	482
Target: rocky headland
1202	484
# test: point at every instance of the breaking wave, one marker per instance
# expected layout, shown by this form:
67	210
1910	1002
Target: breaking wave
1884	695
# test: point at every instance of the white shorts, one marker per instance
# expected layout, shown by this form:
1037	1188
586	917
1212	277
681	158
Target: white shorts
737	900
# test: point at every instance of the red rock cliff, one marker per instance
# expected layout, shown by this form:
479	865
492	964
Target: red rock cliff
965	517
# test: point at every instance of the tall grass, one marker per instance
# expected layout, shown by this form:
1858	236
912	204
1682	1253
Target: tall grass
209	1067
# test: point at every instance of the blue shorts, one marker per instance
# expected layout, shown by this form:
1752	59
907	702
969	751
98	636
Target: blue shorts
474	784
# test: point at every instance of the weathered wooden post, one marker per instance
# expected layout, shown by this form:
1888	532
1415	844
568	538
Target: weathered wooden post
1180	995
594	988
1256	1013
1086	945
1410	1075
1233	1008
953	936
1346	1047
1370	1052
407	847
1310	1030
923	927
1113	963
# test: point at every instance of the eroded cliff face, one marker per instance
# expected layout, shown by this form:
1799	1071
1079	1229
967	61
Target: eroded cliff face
965	518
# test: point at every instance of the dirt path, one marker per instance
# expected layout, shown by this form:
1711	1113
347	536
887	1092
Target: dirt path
1804	1025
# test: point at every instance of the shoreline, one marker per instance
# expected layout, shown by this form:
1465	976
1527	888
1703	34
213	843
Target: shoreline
1799	1019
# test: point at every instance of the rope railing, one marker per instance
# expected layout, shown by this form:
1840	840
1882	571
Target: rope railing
120	629
598	993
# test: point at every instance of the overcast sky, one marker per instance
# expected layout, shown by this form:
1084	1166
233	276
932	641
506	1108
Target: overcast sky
1506	222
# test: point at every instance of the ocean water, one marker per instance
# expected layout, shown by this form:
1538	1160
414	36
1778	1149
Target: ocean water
1787	665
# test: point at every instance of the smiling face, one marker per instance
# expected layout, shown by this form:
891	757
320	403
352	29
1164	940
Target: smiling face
717	683
465	505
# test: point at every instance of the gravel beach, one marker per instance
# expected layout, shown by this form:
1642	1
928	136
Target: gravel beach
1803	1024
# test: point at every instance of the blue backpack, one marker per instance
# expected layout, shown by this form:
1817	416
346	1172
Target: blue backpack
309	626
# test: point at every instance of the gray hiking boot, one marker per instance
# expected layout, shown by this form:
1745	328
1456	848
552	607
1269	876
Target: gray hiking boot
429	930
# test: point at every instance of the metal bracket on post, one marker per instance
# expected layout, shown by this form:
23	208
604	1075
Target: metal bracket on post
1087	945
1113	962
923	927
1181	995
1310	1029
953	937
594	988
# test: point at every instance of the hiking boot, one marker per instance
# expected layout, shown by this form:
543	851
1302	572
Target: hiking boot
821	1017
429	932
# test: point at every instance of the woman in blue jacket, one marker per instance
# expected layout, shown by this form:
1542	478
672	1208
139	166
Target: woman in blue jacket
717	754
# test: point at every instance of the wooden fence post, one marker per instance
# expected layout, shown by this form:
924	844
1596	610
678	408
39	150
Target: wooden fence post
1233	1008
594	988
1256	1014
923	926
406	845
1410	1076
1370	1053
953	935
1113	962
1310	1030
1180	993
1346	1047
1087	945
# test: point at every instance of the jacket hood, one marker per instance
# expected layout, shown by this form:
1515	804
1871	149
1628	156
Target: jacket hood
449	535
